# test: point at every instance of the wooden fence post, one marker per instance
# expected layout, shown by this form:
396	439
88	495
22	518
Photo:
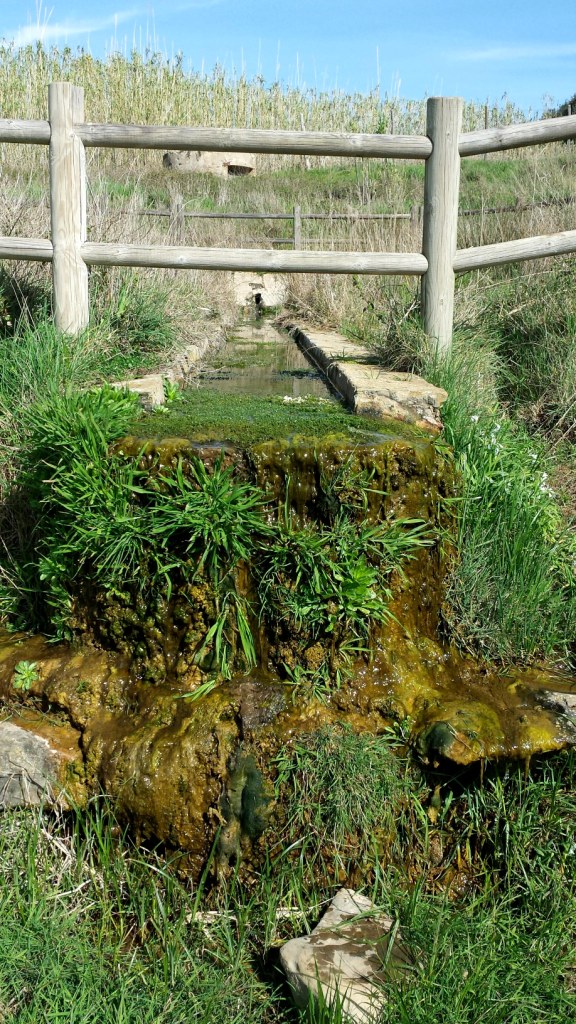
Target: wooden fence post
177	222
68	207
441	189
297	220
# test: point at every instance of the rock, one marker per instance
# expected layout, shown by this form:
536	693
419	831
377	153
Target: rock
366	387
33	767
350	956
260	291
220	164
150	388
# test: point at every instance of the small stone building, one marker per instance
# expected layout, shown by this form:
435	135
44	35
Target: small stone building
220	164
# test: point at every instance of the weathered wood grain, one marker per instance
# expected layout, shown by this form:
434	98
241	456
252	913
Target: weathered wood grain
237	140
68	208
441	188
26	249
519	249
35	133
309	262
515	136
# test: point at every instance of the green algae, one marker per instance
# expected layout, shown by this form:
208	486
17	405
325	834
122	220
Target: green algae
206	415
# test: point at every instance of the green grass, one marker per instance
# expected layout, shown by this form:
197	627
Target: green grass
94	928
344	795
510	377
512	593
323	587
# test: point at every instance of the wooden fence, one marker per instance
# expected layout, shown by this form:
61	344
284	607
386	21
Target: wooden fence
67	134
178	216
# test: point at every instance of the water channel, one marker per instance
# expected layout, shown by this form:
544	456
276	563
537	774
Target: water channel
260	360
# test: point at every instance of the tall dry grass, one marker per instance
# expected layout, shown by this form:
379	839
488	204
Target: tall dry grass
150	88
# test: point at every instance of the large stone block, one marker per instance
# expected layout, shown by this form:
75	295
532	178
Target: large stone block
33	767
260	291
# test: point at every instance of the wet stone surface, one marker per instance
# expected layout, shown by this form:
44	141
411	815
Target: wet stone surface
186	757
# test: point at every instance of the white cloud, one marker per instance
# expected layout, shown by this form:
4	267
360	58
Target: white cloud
46	31
543	51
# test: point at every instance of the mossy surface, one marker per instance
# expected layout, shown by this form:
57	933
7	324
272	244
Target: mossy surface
206	415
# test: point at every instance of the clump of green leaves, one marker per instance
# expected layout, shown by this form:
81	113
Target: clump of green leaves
25	675
323	586
105	522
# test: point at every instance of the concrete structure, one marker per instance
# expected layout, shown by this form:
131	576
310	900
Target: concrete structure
199	162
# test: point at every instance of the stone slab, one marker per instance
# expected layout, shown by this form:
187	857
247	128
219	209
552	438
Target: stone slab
365	386
33	766
150	388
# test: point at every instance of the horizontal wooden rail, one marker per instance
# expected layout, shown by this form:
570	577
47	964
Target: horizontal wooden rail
519	249
26	249
167	212
515	136
520	207
309	262
231	140
36	133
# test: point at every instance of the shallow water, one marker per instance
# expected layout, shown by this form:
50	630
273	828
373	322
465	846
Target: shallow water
260	360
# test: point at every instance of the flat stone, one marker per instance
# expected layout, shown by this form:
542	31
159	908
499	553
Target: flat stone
347	957
33	766
366	387
150	388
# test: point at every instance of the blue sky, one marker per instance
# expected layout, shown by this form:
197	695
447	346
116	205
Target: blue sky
479	50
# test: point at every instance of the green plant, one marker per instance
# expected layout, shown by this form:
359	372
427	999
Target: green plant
343	793
25	675
172	391
323	588
512	592
98	520
139	317
392	328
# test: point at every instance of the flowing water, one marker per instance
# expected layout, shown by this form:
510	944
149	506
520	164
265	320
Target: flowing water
260	360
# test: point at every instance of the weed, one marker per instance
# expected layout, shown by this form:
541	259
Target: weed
323	588
343	793
25	675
